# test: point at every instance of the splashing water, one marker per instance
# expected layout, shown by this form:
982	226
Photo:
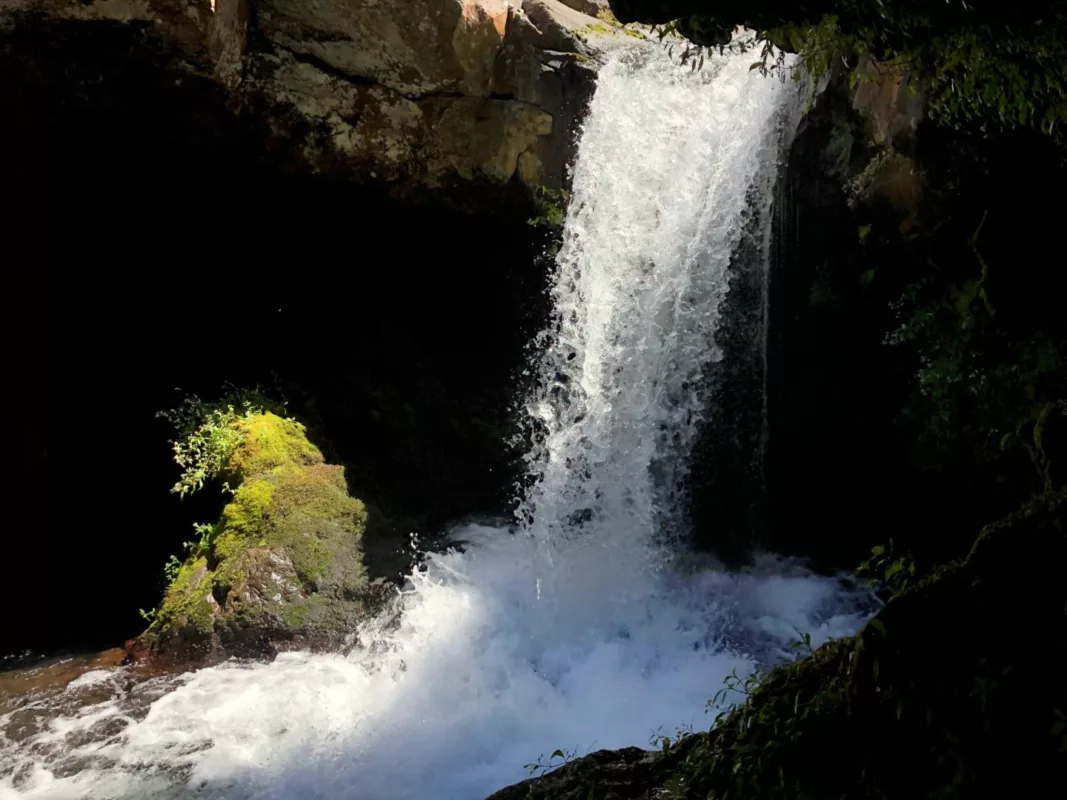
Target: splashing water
577	632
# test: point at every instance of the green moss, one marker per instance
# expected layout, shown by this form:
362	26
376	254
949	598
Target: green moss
232	569
309	613
318	491
608	16
313	518
612	25
228	544
186	606
246	514
268	442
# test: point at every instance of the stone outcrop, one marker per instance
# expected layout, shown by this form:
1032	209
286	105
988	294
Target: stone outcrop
418	94
283	567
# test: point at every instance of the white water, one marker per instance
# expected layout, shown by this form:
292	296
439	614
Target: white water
577	632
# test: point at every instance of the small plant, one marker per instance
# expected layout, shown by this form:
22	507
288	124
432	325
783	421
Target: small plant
551	208
746	687
207	435
544	766
202	545
803	644
171	569
885	566
661	741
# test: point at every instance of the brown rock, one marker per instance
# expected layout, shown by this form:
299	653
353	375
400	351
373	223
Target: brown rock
889	101
418	94
53	674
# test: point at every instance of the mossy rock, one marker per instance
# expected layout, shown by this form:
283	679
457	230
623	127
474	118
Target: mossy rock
955	689
285	567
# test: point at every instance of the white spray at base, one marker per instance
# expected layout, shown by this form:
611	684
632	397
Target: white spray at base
576	632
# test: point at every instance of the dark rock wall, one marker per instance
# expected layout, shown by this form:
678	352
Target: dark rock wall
850	459
727	484
833	388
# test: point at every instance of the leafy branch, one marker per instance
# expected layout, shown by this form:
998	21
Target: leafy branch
890	568
543	766
207	435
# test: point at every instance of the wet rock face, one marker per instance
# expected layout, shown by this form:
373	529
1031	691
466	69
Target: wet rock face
422	93
419	94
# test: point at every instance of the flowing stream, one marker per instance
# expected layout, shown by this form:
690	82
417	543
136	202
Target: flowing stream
578	628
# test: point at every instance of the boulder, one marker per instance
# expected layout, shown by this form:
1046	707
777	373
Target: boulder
283	567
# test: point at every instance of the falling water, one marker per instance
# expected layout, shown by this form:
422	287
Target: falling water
672	165
576	632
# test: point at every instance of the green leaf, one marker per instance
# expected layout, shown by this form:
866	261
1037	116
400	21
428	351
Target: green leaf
878	625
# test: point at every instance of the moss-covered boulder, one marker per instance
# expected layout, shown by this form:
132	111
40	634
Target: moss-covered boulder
955	689
282	568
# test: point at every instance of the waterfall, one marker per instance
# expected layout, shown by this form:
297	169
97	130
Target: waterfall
575	631
674	164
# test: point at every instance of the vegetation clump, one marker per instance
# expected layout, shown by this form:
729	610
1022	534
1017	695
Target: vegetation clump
207	434
551	208
283	565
